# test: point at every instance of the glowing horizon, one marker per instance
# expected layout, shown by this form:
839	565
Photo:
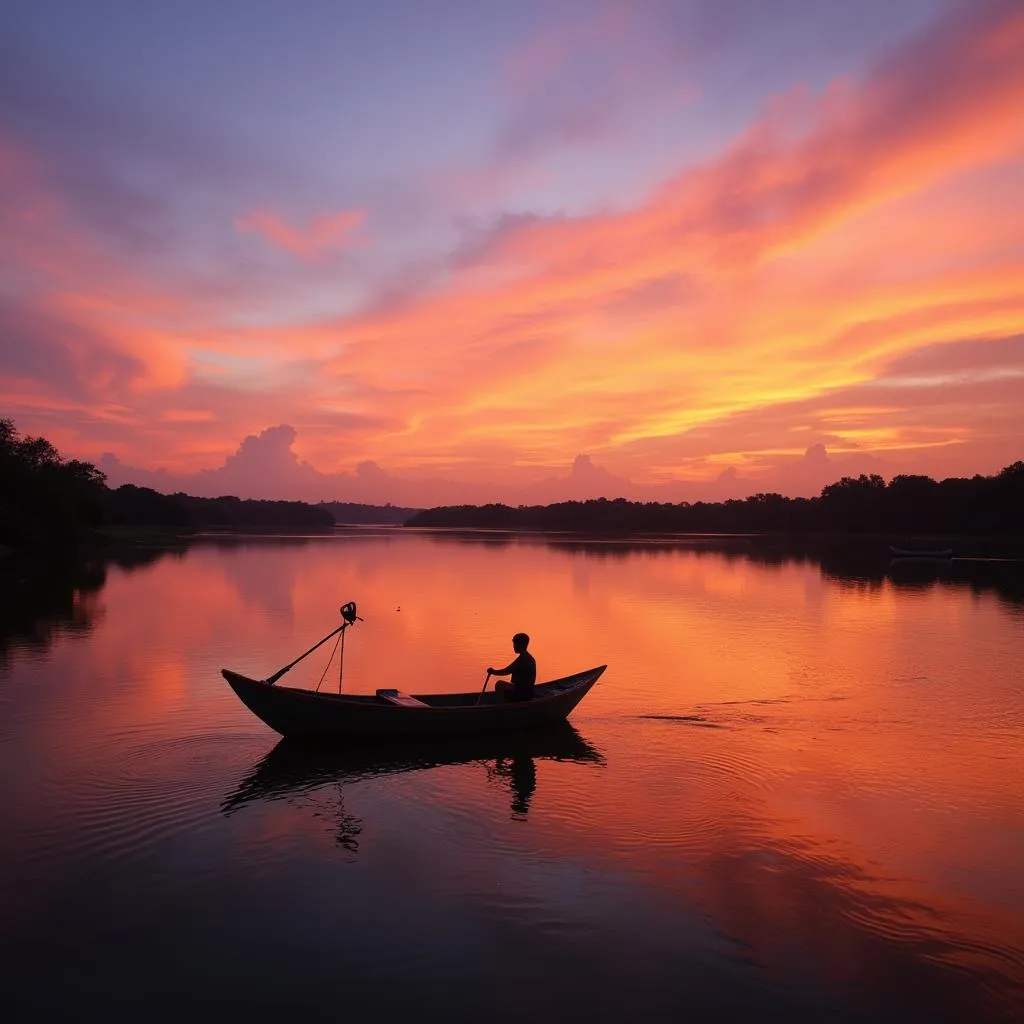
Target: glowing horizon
680	248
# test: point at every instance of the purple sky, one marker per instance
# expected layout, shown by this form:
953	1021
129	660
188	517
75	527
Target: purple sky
378	226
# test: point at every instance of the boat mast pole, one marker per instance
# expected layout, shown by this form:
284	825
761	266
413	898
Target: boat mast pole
349	618
348	613
270	680
341	659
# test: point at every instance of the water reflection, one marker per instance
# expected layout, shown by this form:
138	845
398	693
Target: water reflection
42	599
894	953
844	559
803	806
520	770
39	600
294	770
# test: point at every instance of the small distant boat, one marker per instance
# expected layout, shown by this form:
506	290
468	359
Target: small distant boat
940	554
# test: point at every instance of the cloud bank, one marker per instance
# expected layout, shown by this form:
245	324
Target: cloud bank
688	287
266	466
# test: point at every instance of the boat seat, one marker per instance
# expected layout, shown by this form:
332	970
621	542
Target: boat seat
401	699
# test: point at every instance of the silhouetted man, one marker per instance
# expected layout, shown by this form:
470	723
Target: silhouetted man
523	672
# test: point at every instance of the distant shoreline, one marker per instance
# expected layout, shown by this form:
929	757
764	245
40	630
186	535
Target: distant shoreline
962	545
49	503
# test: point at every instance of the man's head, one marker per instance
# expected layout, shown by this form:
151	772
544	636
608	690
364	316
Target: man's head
520	642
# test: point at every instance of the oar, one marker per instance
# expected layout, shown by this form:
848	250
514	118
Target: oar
487	679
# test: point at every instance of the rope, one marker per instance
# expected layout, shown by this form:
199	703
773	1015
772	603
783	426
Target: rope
341	659
329	660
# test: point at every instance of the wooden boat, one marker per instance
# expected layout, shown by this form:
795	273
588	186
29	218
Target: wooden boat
390	713
942	554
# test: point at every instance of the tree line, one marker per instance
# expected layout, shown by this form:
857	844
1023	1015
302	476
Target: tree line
44	499
352	513
907	505
47	501
131	506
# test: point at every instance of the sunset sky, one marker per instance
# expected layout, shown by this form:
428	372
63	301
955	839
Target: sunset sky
426	251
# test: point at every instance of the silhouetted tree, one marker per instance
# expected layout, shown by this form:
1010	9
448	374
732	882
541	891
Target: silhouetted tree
44	499
354	512
48	501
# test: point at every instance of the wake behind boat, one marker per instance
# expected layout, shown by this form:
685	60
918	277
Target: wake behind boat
391	713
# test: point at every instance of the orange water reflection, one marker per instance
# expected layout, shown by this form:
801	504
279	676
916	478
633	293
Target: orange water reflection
825	770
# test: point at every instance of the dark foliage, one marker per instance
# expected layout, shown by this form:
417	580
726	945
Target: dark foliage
131	506
48	502
908	505
44	500
230	513
349	512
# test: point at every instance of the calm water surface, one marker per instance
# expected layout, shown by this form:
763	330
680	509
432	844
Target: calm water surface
795	794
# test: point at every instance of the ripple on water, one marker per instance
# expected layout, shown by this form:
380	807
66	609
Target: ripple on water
960	944
147	793
694	720
687	788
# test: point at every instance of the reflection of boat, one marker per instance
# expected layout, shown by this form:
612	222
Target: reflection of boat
294	767
304	713
942	554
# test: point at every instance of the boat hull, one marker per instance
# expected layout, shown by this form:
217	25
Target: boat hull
308	715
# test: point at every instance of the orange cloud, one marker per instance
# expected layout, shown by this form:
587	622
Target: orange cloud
323	233
79	310
765	305
737	314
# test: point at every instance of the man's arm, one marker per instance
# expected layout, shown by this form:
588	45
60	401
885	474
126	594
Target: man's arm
503	671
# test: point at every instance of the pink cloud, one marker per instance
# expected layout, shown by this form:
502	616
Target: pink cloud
752	224
731	321
535	64
325	232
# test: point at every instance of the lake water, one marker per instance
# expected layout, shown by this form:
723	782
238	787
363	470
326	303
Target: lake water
795	794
